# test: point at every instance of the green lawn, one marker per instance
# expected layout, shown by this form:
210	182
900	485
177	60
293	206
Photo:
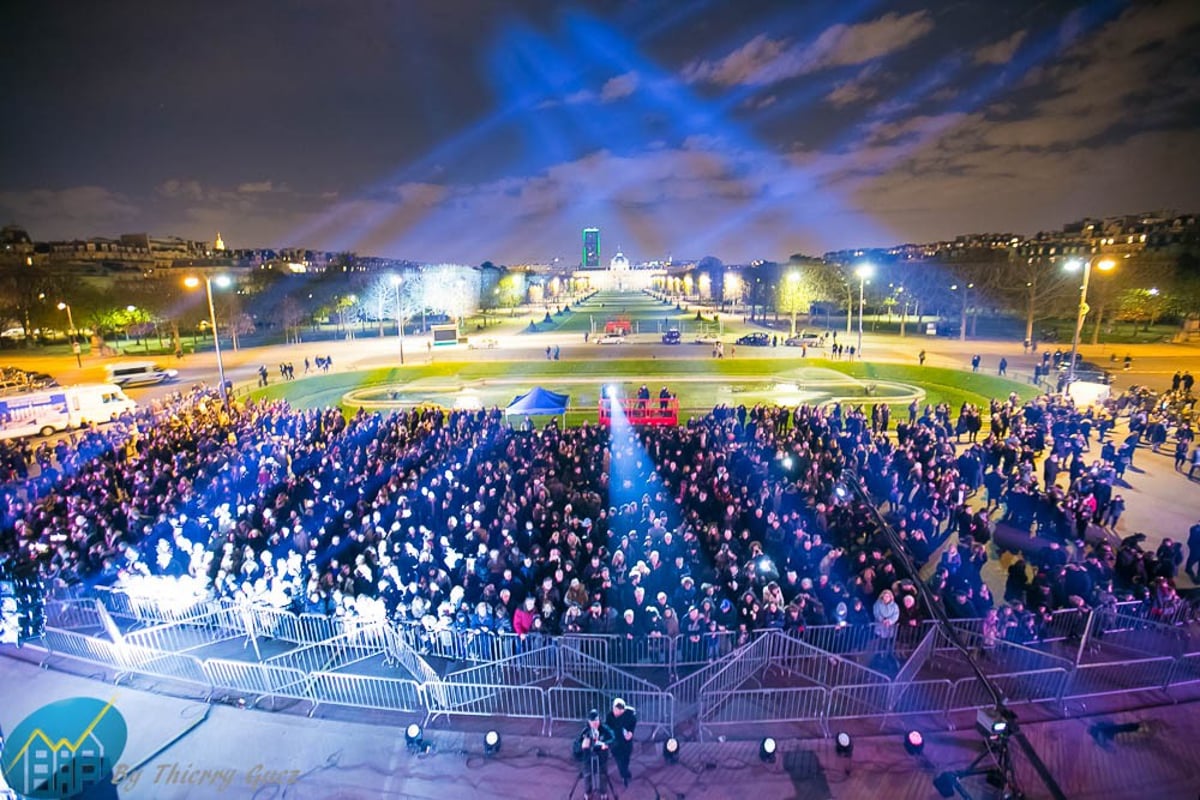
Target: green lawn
698	383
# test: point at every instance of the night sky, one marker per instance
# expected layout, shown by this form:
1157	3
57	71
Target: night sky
471	130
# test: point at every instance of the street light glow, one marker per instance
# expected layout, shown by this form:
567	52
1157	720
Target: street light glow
191	281
864	271
1104	265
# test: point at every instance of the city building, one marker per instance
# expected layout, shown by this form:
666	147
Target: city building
591	248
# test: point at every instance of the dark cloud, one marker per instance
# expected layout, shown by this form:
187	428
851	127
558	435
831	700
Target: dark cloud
478	130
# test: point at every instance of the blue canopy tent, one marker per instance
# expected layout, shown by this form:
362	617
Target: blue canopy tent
539	401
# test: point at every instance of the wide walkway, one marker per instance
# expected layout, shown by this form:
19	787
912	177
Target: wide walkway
260	754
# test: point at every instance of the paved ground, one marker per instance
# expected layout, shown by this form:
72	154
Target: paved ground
283	755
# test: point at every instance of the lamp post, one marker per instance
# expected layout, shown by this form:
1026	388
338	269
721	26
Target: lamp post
962	326
793	280
864	271
222	281
396	281
75	347
1104	265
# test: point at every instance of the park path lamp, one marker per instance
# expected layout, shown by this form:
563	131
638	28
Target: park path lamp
75	346
962	325
903	309
396	281
793	281
864	272
1104	265
222	282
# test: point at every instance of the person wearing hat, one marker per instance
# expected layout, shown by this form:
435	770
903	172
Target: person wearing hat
621	720
591	747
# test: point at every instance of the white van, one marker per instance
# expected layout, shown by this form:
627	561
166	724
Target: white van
58	409
138	373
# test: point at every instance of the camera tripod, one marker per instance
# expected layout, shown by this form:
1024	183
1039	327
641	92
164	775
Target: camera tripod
597	785
998	774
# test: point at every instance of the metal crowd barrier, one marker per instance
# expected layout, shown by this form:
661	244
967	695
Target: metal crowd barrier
655	710
365	691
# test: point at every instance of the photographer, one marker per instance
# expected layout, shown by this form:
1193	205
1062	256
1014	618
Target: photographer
621	721
591	747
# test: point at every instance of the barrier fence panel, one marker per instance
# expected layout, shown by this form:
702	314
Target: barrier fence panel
801	658
85	648
237	676
1187	670
598	675
708	648
922	697
488	700
570	705
686	690
840	639
763	706
314	628
1035	686
312	658
865	700
748	662
363	691
593	645
179	637
520	670
1115	677
174	666
912	667
70	614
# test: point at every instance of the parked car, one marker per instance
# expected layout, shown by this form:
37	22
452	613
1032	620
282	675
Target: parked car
806	339
755	340
672	337
708	338
483	343
611	338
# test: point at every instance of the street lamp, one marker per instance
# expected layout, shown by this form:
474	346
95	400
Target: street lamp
864	271
793	280
1104	265
396	281
75	347
962	327
222	282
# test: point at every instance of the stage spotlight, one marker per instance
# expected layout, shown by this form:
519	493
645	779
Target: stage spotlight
844	745
670	750
766	751
491	743
914	743
412	736
610	391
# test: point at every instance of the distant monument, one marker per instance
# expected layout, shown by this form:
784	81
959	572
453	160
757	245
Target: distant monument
219	244
591	248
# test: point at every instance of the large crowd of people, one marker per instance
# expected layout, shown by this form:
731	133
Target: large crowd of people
740	520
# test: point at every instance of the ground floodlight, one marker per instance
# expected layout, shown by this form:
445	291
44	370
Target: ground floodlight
844	745
670	750
766	751
610	391
412	736
841	491
945	783
914	743
491	743
788	463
